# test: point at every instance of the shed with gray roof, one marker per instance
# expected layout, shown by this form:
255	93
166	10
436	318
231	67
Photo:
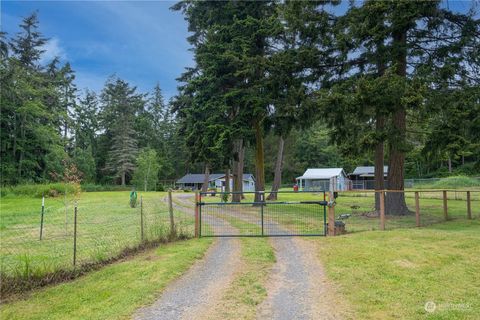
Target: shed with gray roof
194	181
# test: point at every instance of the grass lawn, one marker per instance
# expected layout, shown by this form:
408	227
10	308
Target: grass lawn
106	226
392	274
113	292
247	290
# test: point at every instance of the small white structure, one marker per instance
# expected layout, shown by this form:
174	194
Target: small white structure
323	179
215	180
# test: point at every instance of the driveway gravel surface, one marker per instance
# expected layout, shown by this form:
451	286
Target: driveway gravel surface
202	287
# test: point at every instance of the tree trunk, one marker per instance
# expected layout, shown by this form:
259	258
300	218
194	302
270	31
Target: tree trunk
395	202
146	177
259	162
277	178
241	166
379	128
206	178
379	163
227	181
23	143
123	177
15	137
237	170
449	165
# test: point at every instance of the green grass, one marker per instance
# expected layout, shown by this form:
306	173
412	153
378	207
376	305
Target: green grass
113	292
247	291
106	225
392	274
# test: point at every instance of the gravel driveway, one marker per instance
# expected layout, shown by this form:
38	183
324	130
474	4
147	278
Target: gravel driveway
298	287
203	286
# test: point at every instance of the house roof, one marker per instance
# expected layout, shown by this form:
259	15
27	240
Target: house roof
368	171
200	177
322	173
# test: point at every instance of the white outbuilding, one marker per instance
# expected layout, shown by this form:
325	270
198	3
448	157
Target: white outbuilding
323	179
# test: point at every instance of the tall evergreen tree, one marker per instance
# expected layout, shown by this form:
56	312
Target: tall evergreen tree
120	105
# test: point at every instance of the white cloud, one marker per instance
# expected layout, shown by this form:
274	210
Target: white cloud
52	49
92	81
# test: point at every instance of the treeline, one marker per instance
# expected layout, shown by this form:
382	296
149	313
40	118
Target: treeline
395	80
49	129
277	87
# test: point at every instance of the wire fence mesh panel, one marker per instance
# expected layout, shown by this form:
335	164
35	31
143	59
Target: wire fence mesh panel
291	218
263	218
357	210
229	219
360	210
107	227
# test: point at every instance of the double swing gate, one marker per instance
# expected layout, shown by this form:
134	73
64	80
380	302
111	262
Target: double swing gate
254	216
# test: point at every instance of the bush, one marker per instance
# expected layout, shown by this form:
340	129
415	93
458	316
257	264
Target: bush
91	187
452	182
457	182
38	190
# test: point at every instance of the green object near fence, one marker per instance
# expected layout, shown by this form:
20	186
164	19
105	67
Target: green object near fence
133	199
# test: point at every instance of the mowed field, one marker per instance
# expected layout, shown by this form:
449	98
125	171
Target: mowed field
380	274
393	274
106	225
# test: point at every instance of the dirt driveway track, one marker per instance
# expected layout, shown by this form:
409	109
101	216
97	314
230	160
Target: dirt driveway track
202	287
297	288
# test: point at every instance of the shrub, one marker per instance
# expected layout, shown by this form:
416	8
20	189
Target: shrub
457	182
37	190
91	187
452	182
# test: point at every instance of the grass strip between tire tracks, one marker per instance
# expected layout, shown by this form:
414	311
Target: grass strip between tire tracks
248	290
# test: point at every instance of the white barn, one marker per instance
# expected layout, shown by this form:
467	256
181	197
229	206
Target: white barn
323	179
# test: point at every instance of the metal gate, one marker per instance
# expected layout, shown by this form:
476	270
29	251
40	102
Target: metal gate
218	217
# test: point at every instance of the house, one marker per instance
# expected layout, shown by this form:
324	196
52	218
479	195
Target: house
323	179
364	177
215	180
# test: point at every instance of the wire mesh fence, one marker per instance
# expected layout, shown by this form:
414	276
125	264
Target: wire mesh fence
261	218
360	211
105	228
355	210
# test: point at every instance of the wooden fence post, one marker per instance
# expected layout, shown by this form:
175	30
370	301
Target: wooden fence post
331	215
417	208
142	235
469	206
75	235
170	210
41	218
382	210
445	207
196	215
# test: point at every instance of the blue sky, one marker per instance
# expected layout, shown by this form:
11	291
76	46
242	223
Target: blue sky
141	42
